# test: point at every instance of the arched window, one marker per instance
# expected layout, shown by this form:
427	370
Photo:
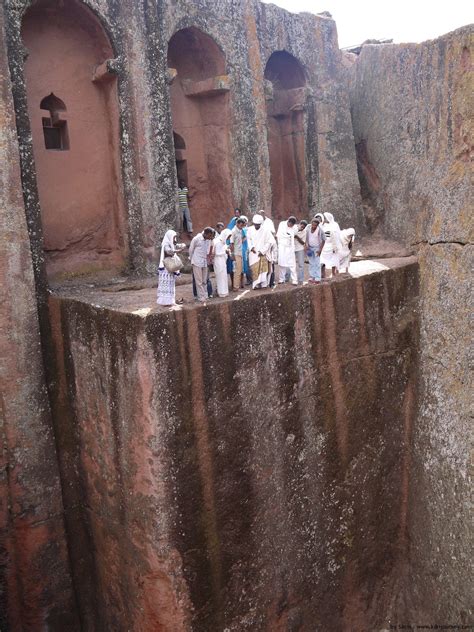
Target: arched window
54	128
178	141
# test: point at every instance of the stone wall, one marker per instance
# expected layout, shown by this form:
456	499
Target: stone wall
35	584
413	118
246	465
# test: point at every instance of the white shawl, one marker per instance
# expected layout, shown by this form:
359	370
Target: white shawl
333	234
168	242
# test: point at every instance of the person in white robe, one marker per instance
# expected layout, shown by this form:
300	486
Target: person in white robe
332	245
273	255
286	250
267	222
300	243
345	253
259	244
166	292
315	239
220	254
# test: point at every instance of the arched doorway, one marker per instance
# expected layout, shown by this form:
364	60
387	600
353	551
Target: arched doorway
286	96
201	115
74	118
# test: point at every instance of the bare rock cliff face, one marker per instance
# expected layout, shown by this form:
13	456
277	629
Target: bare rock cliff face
246	465
413	118
35	583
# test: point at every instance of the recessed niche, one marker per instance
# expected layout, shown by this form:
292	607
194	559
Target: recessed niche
285	133
201	121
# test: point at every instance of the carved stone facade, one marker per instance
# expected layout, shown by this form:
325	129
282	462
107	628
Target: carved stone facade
253	93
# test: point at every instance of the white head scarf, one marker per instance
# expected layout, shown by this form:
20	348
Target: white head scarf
221	237
330	218
346	234
320	216
257	219
333	233
168	242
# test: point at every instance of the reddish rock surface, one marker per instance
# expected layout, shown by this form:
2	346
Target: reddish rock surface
286	96
35	584
202	118
82	210
246	465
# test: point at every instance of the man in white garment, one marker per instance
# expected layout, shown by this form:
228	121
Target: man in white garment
199	251
220	260
286	250
300	242
273	257
259	243
267	222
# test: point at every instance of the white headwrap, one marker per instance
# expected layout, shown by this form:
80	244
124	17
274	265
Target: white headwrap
320	216
346	234
257	219
329	217
168	242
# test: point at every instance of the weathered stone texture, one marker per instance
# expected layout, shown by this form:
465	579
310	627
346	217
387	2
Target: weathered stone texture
413	121
246	466
35	585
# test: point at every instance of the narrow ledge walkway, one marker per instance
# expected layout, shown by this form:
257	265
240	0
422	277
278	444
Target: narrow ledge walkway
138	296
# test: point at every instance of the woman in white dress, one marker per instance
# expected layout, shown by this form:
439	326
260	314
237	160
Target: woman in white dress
332	245
166	293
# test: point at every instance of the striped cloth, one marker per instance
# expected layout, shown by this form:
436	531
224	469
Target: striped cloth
183	197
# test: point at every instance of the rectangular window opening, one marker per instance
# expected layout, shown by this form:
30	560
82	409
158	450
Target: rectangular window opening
55	135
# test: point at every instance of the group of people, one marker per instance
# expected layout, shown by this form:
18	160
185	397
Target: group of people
248	254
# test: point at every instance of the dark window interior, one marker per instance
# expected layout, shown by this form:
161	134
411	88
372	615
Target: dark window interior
54	129
55	135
